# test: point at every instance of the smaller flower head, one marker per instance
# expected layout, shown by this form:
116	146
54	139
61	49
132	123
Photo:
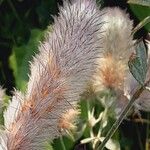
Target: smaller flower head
117	45
68	120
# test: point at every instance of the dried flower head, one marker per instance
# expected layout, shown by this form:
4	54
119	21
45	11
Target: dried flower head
59	74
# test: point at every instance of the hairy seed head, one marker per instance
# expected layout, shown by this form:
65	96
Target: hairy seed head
59	74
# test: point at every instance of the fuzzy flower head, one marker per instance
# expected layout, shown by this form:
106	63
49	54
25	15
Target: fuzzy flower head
59	75
117	45
68	120
117	39
110	74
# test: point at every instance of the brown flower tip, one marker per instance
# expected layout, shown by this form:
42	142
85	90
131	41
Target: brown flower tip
68	120
110	74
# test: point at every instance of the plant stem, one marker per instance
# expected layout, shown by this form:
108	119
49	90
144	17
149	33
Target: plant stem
123	115
147	134
62	143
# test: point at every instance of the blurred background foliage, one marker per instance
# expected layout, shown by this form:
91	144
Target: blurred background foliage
23	24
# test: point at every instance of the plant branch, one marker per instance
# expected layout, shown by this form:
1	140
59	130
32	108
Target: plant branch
123	115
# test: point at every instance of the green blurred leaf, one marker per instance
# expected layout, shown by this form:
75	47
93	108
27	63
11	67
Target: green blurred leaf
140	2
6	25
21	34
48	146
45	10
21	55
141	9
1	1
138	63
67	142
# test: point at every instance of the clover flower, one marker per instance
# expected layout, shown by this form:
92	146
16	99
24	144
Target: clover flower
59	74
118	45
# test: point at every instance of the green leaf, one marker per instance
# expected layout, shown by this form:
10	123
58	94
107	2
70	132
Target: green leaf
45	10
141	9
21	55
1	1
48	146
138	63
67	142
140	2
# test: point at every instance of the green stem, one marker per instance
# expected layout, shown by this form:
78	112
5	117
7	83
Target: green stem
122	116
62	143
147	134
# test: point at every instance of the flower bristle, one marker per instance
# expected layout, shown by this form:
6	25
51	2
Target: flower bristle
117	40
110	74
118	45
68	120
59	75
